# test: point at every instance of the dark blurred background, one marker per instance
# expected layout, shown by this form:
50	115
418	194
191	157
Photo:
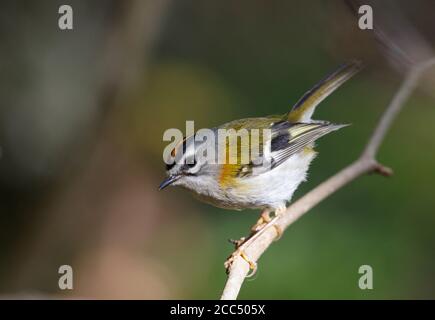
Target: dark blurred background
82	114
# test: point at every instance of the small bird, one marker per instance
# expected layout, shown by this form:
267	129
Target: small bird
290	148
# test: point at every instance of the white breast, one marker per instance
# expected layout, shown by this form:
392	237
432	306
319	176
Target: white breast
274	188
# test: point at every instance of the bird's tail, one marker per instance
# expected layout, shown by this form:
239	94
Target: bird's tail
304	108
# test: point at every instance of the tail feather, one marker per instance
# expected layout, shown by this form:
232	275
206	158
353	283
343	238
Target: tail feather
304	108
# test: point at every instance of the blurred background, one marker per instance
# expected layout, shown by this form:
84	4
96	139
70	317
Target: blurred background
82	115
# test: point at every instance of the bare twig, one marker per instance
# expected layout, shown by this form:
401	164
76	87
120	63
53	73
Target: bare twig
365	164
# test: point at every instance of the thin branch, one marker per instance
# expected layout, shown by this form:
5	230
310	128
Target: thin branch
366	163
407	87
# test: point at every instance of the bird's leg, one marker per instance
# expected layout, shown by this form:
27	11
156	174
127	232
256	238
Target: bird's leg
237	243
278	229
262	221
261	225
265	220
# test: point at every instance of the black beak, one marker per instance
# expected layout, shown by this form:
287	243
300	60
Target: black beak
169	180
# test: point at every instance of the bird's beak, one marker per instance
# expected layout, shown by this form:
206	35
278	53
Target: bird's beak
169	180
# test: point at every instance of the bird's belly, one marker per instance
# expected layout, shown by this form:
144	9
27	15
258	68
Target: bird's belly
271	189
275	187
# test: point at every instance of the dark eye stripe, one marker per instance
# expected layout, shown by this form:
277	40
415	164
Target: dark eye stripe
191	165
170	166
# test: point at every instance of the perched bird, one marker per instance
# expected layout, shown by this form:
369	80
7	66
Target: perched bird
289	147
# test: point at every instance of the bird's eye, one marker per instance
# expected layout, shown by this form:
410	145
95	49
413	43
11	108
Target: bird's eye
170	166
191	165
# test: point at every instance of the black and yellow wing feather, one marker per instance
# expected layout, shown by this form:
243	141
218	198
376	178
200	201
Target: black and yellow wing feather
294	138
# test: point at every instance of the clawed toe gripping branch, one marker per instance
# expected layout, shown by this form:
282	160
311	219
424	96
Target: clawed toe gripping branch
247	254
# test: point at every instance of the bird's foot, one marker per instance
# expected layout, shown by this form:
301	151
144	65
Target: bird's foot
237	243
239	252
265	220
278	229
261	222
